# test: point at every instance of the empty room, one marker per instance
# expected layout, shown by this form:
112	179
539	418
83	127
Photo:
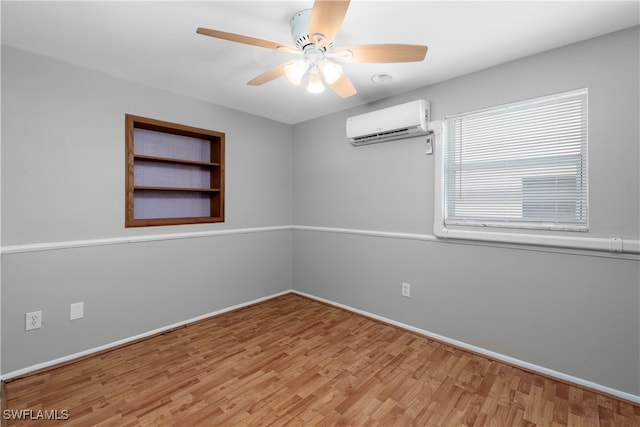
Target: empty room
314	213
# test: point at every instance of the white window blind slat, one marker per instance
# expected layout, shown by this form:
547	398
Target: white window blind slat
519	165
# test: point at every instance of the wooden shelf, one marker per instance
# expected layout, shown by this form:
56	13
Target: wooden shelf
175	161
157	178
154	188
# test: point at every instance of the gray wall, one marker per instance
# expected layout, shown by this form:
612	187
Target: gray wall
63	160
63	180
572	312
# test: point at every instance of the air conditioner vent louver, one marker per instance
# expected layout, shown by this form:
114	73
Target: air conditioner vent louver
398	122
383	135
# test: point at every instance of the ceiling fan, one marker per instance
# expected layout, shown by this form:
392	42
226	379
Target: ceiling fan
313	31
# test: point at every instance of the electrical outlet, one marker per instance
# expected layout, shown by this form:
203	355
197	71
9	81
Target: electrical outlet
33	320
406	290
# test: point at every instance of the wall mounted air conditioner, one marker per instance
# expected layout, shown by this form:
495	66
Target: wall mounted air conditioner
397	122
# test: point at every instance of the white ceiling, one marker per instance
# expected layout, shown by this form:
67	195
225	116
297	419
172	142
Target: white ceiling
155	43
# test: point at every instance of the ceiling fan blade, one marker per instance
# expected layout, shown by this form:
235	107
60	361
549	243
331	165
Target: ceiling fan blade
269	75
326	19
381	53
246	40
343	86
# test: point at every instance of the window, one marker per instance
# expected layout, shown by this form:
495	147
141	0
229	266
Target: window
519	165
175	174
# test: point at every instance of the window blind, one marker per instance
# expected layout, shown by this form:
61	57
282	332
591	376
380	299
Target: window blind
519	165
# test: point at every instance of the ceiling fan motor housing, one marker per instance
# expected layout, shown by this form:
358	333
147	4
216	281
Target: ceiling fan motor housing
299	24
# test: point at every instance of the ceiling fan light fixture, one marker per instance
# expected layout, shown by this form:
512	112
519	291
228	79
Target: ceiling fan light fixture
295	71
313	31
330	71
315	82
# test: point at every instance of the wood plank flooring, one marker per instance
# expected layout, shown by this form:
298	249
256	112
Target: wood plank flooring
298	362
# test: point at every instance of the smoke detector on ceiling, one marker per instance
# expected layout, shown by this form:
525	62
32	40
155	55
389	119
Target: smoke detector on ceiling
381	78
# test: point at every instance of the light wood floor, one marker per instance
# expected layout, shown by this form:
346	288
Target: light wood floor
296	361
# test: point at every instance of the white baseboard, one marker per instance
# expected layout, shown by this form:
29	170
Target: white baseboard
491	354
91	351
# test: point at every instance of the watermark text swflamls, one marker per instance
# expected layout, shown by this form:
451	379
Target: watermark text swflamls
39	414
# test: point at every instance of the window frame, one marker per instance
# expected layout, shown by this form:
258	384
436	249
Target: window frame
214	165
581	222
